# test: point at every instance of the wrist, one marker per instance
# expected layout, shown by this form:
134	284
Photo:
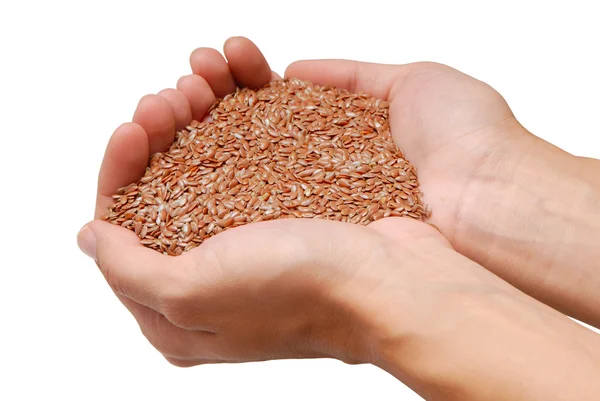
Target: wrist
413	292
445	326
486	342
536	211
422	322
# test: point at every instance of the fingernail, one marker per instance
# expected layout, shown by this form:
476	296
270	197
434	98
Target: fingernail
87	242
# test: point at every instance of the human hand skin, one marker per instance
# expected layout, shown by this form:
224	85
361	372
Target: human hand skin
393	293
524	209
407	303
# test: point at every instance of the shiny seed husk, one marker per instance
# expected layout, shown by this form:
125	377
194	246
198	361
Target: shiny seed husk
289	149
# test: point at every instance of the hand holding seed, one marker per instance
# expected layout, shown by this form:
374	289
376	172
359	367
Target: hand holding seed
245	270
394	292
290	288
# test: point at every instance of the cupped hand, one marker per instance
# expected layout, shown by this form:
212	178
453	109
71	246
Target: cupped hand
291	288
515	204
452	127
394	293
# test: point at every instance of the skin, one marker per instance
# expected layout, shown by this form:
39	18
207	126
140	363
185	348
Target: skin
396	293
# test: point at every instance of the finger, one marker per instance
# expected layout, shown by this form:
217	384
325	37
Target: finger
132	270
181	107
246	63
198	93
212	66
378	80
124	162
155	114
168	339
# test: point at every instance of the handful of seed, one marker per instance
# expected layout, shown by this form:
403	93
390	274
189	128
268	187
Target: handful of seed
290	149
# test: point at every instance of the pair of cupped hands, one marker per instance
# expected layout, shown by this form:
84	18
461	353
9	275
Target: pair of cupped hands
397	293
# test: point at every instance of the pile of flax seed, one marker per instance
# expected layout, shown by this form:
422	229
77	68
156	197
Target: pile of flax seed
287	150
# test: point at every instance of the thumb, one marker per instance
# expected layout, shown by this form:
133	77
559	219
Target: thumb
130	269
378	80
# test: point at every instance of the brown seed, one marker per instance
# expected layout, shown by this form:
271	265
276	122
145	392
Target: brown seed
286	150
137	227
225	222
240	219
379	215
402	176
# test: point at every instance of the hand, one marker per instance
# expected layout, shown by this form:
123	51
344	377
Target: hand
517	205
448	124
393	293
263	291
259	292
306	288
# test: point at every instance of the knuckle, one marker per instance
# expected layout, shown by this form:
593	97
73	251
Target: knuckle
178	311
167	92
175	304
160	334
180	363
177	298
148	98
422	71
431	65
352	361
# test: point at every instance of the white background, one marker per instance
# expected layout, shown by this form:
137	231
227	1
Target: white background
71	72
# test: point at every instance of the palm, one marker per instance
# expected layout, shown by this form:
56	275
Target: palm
447	124
281	274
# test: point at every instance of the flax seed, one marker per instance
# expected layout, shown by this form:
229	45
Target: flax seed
289	149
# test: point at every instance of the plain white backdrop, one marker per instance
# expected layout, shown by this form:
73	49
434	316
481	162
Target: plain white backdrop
71	72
